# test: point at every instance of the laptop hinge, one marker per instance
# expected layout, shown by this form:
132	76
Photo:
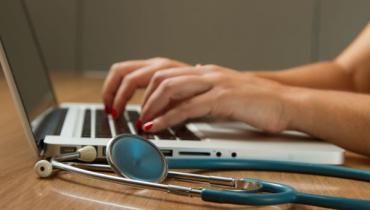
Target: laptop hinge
51	124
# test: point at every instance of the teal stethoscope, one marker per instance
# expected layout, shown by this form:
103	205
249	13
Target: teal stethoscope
140	164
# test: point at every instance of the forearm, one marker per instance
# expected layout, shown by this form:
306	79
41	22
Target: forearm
338	117
323	75
350	71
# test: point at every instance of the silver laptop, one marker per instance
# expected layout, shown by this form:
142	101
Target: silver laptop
52	128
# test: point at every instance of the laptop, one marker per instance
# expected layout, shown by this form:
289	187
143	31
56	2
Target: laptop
54	128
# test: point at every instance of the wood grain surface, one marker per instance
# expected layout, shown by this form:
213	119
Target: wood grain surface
21	189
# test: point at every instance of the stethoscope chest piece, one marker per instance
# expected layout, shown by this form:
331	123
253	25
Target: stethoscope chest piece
136	158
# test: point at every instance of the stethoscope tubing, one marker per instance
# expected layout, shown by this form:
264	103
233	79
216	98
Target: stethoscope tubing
287	195
331	201
277	194
269	165
280	193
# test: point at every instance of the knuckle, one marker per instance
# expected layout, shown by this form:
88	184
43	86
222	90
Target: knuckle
129	79
212	66
114	66
156	58
114	69
158	77
218	75
120	66
167	85
162	61
117	68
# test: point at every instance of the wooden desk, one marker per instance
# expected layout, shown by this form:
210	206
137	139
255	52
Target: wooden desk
21	189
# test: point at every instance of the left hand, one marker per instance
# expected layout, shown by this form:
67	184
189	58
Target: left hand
175	95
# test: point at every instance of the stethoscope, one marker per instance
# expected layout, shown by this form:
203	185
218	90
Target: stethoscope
141	164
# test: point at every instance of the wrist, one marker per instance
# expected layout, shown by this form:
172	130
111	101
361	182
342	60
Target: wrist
295	101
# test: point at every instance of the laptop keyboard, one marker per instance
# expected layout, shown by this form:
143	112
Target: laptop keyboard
86	130
122	125
102	129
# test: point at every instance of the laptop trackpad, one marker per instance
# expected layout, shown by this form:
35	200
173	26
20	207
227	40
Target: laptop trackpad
242	131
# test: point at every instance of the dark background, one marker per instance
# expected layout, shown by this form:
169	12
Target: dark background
89	35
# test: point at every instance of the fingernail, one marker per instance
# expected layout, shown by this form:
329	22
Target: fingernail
148	126
107	109
114	113
138	124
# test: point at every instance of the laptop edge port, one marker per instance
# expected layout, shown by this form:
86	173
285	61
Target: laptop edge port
195	153
167	152
64	150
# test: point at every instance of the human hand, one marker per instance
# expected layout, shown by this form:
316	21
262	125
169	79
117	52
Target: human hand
125	77
175	95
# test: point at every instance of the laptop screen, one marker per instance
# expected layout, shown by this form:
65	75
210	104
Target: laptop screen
25	59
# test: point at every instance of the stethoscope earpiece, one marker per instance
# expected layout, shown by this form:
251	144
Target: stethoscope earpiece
43	168
87	154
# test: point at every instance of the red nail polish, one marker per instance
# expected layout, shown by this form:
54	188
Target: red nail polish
114	113
148	126
107	109
138	124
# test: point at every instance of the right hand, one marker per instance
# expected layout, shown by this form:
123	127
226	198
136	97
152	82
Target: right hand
125	77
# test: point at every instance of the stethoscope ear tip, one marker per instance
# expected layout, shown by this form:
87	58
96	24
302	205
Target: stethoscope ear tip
43	168
87	154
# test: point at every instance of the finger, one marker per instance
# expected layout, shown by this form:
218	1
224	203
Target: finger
197	106
117	72
159	76
173	89
129	84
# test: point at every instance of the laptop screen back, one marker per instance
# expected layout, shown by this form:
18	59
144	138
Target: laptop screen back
25	59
